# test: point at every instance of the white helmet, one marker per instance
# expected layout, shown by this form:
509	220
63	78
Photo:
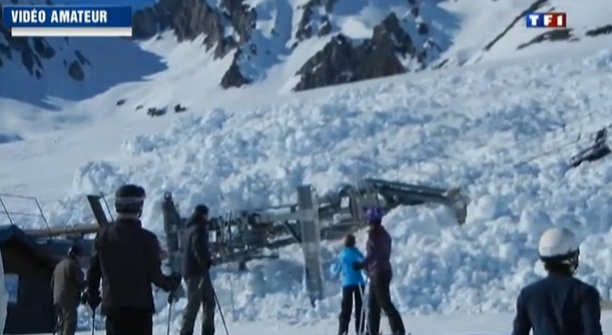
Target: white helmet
559	245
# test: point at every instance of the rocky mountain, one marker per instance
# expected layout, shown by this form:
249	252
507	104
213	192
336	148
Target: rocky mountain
33	69
32	53
316	42
258	35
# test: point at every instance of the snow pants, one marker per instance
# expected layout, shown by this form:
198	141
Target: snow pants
380	299
66	319
350	294
129	321
200	292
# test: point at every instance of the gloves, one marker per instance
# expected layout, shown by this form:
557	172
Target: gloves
209	263
172	297
83	298
358	266
93	300
174	282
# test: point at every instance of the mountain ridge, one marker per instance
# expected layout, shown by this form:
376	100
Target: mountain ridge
308	43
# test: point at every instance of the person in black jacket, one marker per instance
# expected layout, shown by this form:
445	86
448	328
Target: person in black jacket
377	265
559	303
197	261
127	258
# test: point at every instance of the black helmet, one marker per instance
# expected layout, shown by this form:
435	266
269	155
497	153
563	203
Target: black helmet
75	250
201	210
349	240
129	199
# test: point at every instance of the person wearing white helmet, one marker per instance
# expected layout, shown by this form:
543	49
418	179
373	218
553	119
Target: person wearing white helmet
560	303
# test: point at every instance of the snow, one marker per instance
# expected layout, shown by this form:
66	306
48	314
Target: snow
578	19
491	324
471	127
504	130
100	69
154	74
470	23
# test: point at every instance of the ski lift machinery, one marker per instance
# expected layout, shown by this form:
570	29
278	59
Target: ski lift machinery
595	151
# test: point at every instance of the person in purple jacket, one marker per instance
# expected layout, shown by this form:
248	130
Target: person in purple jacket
377	265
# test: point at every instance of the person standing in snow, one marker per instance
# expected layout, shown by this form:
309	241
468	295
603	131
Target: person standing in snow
378	267
68	282
559	303
197	261
127	259
352	285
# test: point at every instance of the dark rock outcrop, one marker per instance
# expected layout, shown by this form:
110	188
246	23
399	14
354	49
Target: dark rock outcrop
566	34
190	19
537	4
81	58
341	61
42	48
242	18
605	30
233	76
309	24
154	111
75	71
32	52
9	138
550	36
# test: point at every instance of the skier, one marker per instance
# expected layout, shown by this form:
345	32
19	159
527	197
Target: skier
378	267
126	257
68	282
171	215
197	261
172	226
352	285
559	303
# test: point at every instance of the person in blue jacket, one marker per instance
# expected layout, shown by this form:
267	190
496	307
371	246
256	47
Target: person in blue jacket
353	284
559	303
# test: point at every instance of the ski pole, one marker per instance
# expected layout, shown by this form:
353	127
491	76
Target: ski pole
57	325
231	283
57	321
364	304
364	311
93	321
220	311
169	317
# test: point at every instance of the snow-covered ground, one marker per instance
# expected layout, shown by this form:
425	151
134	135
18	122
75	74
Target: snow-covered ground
489	324
502	131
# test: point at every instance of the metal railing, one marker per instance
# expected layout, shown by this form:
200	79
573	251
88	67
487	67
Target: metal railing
12	215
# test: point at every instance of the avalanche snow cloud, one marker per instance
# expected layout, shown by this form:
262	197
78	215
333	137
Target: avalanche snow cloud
480	129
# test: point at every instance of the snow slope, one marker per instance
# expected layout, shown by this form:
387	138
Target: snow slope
478	127
580	20
30	106
489	324
157	74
